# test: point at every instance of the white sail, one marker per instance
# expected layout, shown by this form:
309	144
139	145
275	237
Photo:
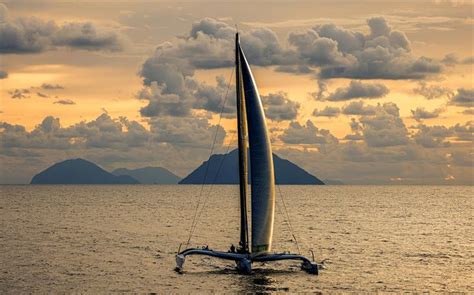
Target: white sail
261	164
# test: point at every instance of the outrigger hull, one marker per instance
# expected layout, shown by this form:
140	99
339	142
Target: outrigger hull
244	260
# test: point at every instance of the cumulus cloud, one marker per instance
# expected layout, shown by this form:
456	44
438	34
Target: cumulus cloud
210	44
319	51
385	128
462	158
307	134
438	135
341	53
171	88
421	113
463	98
357	89
358	108
431	91
452	59
468	60
188	132
464	132
48	86
64	102
327	112
168	75
20	93
33	35
107	132
179	101
40	94
432	136
279	107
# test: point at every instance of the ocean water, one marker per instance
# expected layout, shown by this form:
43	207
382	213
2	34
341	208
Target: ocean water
124	238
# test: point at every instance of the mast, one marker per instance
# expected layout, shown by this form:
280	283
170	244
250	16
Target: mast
242	143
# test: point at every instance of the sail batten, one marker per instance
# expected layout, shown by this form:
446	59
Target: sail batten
261	162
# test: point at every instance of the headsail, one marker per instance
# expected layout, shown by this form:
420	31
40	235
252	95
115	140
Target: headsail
261	163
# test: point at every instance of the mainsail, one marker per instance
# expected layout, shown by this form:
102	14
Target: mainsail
261	161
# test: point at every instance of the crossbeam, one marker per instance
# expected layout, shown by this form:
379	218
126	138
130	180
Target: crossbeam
244	260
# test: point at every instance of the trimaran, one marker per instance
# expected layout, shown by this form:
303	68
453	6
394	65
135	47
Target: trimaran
252	126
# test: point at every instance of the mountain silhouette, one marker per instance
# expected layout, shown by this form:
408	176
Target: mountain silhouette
286	172
149	175
79	171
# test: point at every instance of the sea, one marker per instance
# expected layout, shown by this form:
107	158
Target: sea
123	238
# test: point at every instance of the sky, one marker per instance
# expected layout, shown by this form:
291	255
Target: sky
366	92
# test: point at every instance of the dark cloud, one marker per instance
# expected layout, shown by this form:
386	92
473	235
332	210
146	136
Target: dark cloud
438	135
295	69
47	86
20	93
322	89
210	44
211	98
354	137
340	53
171	88
431	91
40	94
432	136
327	112
358	108
357	89
468	60
463	98
318	51
464	132
186	132
168	74
452	59
462	159
103	132
279	107
421	113
307	134
385	128
179	101
64	102
33	35
356	128
88	37
3	74
107	132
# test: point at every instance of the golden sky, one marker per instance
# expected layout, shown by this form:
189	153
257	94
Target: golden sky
78	61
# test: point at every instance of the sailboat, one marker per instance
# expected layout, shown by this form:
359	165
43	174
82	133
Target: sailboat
252	129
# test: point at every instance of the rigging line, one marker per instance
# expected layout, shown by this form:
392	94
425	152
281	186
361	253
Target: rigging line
210	154
288	218
213	182
287	222
283	216
286	212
